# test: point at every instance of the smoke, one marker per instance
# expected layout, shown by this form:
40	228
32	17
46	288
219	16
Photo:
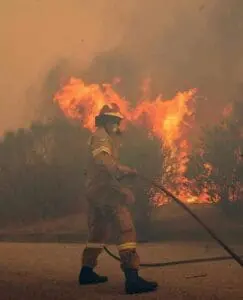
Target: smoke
178	44
36	36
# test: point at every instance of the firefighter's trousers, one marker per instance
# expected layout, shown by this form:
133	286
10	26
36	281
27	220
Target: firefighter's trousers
101	220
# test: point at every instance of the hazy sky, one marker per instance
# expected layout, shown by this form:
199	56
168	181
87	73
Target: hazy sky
180	44
36	34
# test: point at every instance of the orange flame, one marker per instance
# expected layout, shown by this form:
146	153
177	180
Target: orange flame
165	119
84	102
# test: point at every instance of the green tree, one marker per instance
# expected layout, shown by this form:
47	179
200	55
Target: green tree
41	171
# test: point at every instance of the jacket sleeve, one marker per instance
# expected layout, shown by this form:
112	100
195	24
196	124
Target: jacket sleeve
102	153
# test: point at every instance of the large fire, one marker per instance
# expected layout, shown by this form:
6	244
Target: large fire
165	119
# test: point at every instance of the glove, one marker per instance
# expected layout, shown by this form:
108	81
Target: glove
127	170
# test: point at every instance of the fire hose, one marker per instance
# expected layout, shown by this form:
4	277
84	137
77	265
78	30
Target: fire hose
232	254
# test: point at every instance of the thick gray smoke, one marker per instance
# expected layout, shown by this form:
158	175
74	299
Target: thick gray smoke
179	44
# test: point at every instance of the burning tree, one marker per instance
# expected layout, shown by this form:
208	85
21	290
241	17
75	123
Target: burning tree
41	167
215	166
164	120
154	141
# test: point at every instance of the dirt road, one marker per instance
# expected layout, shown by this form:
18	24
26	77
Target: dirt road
49	271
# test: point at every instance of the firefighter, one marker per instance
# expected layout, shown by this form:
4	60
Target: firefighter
108	205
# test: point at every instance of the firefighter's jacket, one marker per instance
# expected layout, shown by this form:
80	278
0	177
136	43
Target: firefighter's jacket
103	168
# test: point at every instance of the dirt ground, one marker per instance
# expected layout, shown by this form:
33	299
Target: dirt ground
49	271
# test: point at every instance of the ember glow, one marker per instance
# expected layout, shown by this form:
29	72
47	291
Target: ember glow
167	120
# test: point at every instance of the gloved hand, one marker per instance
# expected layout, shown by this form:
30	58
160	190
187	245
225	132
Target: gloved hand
127	170
129	196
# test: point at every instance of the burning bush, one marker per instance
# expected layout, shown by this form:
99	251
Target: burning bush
215	166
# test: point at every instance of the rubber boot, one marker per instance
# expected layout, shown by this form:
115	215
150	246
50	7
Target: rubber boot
88	276
136	285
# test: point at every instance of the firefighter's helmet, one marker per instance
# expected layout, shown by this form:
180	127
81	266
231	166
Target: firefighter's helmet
109	113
